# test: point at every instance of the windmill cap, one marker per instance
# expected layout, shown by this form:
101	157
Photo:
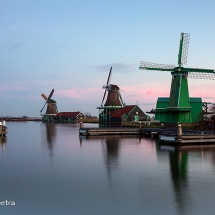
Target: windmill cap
114	87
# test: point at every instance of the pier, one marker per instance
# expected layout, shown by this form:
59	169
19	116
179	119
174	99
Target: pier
3	128
187	137
109	131
172	135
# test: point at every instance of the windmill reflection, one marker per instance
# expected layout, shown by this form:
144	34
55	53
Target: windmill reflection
49	139
178	167
111	151
178	161
51	136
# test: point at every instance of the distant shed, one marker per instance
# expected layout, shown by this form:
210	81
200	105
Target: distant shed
69	116
129	113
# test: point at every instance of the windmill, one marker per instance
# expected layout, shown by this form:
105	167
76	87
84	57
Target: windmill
114	97
179	107
51	109
113	102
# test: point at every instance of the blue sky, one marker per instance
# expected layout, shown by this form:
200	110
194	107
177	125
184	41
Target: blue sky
71	45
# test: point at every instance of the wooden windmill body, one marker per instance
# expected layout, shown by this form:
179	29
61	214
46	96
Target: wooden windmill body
179	107
51	109
113	102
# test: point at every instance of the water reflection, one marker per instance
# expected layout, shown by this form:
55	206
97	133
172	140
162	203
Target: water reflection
178	167
49	139
111	152
51	136
178	161
105	175
3	144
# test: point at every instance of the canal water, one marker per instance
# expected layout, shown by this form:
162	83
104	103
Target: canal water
48	169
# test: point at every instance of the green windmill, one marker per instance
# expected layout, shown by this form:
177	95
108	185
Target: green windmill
179	107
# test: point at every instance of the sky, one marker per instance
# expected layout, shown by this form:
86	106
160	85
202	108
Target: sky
70	46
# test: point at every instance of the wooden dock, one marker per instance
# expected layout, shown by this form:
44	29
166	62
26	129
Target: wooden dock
167	136
109	131
3	129
187	137
157	131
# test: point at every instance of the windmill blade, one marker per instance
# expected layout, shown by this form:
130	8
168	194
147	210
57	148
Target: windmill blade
183	49
156	66
109	76
103	97
201	75
50	95
44	96
120	98
43	107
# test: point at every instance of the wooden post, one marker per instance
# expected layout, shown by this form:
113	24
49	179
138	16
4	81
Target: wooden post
81	124
179	130
140	125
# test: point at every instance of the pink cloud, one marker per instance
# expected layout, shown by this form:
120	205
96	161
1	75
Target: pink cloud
149	92
141	93
79	93
204	92
146	93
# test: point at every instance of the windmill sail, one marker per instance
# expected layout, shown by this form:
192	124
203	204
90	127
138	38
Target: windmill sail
156	66
185	46
107	85
201	75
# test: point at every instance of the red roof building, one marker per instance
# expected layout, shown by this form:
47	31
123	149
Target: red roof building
129	113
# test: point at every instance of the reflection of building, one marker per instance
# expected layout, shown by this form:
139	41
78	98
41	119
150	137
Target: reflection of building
69	116
3	144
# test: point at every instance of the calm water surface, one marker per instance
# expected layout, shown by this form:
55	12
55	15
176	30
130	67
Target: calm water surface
49	169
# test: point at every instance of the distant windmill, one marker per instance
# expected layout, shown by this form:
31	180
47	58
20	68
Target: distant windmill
51	104
179	104
114	97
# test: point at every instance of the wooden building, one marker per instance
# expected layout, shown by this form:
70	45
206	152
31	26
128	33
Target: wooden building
69	116
129	113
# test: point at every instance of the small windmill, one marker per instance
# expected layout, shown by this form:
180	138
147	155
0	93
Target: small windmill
51	109
113	102
114	97
179	104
